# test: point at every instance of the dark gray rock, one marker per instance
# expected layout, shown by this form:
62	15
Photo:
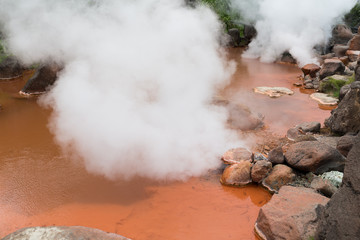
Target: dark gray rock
346	117
276	156
331	67
313	156
249	32
10	68
62	233
340	50
341	216
235	39
343	91
313	127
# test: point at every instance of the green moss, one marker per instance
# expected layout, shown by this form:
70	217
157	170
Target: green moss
332	86
352	19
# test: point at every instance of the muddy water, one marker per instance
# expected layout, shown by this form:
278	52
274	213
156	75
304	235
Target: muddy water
40	187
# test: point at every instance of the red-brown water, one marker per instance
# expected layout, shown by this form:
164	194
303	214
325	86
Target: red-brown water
40	187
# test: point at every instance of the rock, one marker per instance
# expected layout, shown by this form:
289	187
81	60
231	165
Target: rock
236	155
340	50
293	133
354	43
310	69
313	156
10	68
237	174
249	32
341	34
341	216
323	186
324	99
345	144
328	140
346	117
278	177
260	170
288	58
348	72
309	86
276	156
345	60
353	55
234	37
43	78
273	92
241	117
352	65
343	91
291	214
313	127
62	233
332	67
357	72
334	177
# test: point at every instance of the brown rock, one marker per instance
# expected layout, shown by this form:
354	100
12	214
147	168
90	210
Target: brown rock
310	69
331	67
341	34
237	155
313	156
309	127
345	144
340	50
276	156
290	215
354	43
237	174
323	186
62	233
278	177
260	170
345	60
352	55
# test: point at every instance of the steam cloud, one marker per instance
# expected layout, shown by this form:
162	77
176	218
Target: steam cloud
290	25
134	96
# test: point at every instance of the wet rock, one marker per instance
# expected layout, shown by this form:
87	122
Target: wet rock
241	117
279	176
238	174
354	43
341	216
10	68
310	69
332	67
288	58
324	99
313	156
340	50
62	233
249	32
273	92
291	214
43	78
313	127
260	170
276	156
353	55
237	155
346	117
343	91
234	37
334	177
323	186
345	144
341	34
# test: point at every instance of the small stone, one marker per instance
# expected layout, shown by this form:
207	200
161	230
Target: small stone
278	177
309	127
238	174
310	69
297	84
260	170
294	133
276	156
323	186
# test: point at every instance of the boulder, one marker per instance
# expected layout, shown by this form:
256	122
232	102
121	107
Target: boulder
249	32
43	78
354	43
286	57
10	68
260	170
343	91
62	233
345	144
313	156
291	214
346	117
331	67
238	174
279	176
234	34
340	218
353	55
323	186
276	156
340	50
237	155
324	99
341	34
273	92
310	69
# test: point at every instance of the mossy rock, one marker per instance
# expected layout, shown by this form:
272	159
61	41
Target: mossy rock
332	85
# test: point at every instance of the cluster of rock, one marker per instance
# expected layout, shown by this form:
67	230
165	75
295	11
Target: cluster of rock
235	38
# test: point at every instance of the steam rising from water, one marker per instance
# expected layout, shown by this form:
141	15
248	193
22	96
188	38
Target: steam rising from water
291	25
134	96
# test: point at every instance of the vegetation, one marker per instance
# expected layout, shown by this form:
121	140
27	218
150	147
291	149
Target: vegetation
332	86
352	19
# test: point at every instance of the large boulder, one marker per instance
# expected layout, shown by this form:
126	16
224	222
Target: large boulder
346	117
331	67
237	174
314	156
43	78
291	214
341	216
341	34
10	68
62	233
279	176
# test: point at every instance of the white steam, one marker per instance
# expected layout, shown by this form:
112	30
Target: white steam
134	96
291	25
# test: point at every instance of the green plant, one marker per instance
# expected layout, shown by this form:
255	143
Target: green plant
352	19
332	86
